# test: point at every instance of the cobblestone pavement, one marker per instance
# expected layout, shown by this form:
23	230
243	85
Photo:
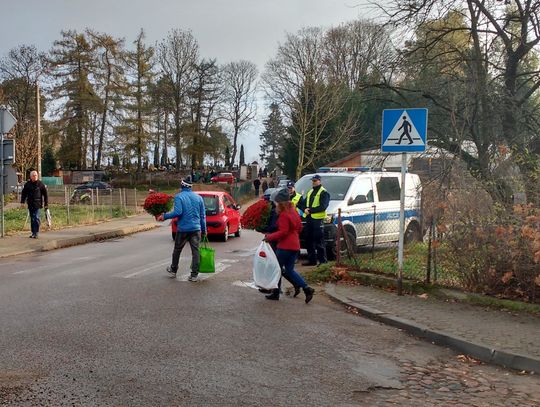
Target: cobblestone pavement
502	330
459	382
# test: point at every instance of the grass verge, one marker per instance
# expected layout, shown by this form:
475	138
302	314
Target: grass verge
16	220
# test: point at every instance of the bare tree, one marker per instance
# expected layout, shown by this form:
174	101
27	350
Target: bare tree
296	80
500	74
20	72
177	56
239	80
359	53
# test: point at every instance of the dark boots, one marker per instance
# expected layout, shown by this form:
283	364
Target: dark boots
296	291
274	295
308	291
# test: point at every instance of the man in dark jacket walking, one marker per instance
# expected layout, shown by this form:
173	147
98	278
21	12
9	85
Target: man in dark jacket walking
35	194
191	220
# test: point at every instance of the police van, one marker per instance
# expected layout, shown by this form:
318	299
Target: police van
369	200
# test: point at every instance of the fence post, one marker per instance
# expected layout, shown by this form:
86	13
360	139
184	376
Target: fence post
338	241
428	266
68	203
135	192
434	237
373	232
112	202
92	201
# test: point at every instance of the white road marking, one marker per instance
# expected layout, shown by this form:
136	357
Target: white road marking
55	266
248	284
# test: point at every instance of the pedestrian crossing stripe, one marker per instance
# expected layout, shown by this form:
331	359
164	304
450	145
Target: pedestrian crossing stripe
404	130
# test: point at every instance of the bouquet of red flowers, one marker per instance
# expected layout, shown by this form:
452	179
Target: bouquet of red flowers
157	203
257	215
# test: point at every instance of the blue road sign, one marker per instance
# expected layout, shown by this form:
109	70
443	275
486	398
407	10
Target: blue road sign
404	130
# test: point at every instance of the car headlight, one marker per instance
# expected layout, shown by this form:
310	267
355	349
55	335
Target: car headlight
329	219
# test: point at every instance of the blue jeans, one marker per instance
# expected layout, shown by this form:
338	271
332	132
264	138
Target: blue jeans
34	220
286	259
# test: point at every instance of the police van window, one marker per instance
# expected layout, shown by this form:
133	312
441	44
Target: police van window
337	186
363	187
388	189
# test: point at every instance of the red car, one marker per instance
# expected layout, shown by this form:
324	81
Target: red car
226	177
222	215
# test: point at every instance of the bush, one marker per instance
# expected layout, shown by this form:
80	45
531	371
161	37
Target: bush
497	252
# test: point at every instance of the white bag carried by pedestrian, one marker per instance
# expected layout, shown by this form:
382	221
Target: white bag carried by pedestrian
266	270
48	218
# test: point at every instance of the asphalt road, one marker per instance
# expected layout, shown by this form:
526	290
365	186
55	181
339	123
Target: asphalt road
104	325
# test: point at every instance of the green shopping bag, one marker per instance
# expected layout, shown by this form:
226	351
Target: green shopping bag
207	264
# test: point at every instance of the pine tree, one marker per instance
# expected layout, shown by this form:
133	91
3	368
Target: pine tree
73	63
242	157
48	163
273	138
135	125
227	157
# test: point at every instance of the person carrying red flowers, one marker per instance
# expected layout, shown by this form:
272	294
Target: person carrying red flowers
287	237
190	212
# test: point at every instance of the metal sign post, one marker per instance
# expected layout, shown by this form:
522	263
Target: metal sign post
403	131
7	121
401	223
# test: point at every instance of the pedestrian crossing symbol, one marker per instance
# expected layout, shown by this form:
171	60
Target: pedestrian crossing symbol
404	130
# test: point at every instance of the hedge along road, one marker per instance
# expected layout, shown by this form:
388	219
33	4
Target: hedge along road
103	324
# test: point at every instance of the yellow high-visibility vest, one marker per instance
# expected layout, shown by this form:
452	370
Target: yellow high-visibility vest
296	198
316	202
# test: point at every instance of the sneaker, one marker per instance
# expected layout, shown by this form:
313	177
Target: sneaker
193	278
32	236
172	273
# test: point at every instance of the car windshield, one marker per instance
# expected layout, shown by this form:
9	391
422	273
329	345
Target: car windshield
210	204
337	186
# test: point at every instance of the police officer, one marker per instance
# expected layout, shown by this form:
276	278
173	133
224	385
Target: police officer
314	207
295	196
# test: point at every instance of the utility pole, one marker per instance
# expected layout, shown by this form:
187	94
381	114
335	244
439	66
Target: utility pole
38	130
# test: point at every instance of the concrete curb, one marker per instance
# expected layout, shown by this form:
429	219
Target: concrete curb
476	350
83	239
92	237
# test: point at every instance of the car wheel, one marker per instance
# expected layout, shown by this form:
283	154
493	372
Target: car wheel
225	235
331	251
239	231
412	234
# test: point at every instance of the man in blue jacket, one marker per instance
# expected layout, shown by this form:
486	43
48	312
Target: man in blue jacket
191	220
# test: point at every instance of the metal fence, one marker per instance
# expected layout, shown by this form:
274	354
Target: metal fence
373	246
71	206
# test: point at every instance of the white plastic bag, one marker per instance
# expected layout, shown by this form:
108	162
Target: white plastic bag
266	270
48	218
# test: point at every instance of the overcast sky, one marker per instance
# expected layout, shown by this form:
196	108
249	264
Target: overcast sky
227	30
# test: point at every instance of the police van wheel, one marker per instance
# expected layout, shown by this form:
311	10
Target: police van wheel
412	234
332	251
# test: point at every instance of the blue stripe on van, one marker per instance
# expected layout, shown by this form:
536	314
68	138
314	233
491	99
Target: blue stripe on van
368	217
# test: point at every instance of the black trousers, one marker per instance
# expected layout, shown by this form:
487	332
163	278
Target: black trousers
315	245
194	239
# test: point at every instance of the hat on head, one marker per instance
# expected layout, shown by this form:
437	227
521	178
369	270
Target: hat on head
316	176
290	184
186	183
282	196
